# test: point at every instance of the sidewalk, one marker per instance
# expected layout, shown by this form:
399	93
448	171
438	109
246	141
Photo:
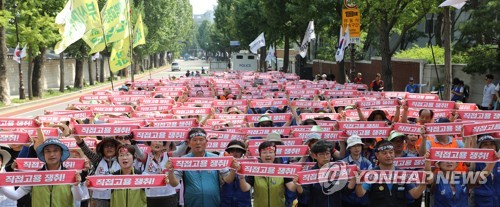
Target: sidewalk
14	109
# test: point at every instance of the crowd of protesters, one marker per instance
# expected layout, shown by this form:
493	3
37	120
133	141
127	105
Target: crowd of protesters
313	108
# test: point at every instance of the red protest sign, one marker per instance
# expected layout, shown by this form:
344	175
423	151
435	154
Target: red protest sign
156	101
407	128
444	128
11	137
428	104
369	132
191	111
442	113
269	170
152	134
341	93
230	116
462	155
481	128
282	151
48	132
305	165
125	181
307	128
310	104
300	92
332	116
390	94
421	96
333	173
154	107
111	109
409	162
53	118
378	103
74	114
170	88
264	131
393	176
281	117
94	98
353	114
326	135
467	106
479	115
71	143
104	129
168	123
201	163
345	101
360	124
251	160
225	135
268	103
228	103
7	123
36	178
201	100
144	148
286	141
33	164
215	145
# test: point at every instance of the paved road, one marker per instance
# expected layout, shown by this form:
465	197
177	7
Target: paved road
185	65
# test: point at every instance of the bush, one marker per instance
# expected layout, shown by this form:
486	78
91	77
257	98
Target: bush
425	53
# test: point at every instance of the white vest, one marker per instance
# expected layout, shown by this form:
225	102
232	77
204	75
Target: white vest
102	169
151	167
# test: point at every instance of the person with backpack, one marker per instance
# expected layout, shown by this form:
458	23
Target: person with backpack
457	90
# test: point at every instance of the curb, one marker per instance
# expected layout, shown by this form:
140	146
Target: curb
23	107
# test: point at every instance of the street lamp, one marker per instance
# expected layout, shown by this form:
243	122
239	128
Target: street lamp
21	84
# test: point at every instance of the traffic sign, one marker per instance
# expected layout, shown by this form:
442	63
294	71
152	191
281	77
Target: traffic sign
350	4
352	17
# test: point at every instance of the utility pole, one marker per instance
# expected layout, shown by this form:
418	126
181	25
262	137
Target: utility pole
21	84
447	53
353	63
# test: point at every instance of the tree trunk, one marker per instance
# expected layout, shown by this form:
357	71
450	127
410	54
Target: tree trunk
91	72
4	84
38	73
102	77
286	53
151	61
30	73
437	29
385	52
447	53
78	74
342	79
262	63
61	72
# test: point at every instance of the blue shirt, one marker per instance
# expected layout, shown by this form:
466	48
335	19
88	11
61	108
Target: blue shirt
413	88
201	187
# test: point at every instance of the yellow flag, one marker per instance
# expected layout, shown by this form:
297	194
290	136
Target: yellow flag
139	38
115	20
72	23
94	36
120	55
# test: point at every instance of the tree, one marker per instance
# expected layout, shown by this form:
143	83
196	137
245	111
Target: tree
390	17
203	35
4	89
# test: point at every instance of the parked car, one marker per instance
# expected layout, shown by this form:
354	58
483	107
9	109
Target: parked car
176	66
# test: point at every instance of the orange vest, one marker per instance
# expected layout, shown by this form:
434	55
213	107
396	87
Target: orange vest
453	144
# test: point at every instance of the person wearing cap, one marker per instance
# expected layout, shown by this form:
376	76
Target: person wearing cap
265	121
104	162
413	87
377	84
52	153
311	138
123	88
358	79
268	191
398	140
154	163
4	159
451	189
386	195
355	149
201	188
231	194
317	194
487	194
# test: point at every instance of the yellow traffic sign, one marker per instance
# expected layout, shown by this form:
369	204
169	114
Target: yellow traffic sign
352	17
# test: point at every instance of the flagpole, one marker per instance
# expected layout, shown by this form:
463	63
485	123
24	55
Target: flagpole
21	84
131	40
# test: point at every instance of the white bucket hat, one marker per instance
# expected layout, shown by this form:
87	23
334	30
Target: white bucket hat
354	140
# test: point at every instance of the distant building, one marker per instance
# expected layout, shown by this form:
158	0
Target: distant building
199	18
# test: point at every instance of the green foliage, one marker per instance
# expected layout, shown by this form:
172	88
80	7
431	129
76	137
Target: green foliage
425	53
483	27
482	58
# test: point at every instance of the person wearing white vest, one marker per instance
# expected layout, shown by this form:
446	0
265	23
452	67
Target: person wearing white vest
155	163
104	162
4	201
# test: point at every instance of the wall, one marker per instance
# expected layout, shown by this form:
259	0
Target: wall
50	75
